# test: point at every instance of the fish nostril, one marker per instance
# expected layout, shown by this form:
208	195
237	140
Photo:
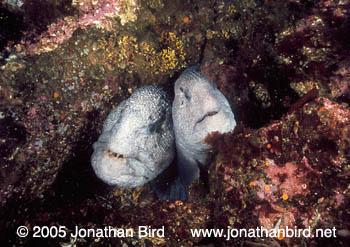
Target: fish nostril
188	95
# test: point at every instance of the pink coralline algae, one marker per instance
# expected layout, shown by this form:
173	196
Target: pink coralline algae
95	12
90	13
291	173
228	178
266	191
272	216
338	199
269	215
340	81
32	112
338	114
296	177
288	178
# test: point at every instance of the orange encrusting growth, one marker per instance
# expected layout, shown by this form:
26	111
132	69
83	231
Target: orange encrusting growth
285	196
280	235
55	95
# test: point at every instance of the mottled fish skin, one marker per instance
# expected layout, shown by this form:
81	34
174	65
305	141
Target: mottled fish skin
199	108
137	140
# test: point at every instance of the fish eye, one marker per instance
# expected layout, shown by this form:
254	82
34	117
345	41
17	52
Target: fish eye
151	128
181	89
156	126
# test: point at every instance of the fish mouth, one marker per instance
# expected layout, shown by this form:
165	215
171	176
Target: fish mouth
208	114
116	156
120	157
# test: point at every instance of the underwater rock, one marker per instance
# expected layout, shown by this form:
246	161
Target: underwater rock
291	173
137	140
175	216
199	108
339	83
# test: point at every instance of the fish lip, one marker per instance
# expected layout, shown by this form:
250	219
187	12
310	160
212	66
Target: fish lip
112	154
119	157
208	114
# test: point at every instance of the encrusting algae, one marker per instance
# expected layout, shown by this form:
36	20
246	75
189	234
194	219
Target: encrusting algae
173	56
129	53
